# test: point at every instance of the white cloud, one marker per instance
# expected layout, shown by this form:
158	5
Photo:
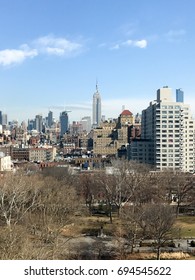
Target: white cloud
132	43
140	44
44	45
16	56
55	51
128	43
136	43
57	46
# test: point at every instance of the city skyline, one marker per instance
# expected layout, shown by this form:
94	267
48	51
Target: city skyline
51	55
178	96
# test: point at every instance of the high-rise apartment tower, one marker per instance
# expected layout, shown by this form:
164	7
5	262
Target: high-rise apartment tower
169	128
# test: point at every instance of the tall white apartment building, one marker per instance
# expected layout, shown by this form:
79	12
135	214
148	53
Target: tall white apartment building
170	128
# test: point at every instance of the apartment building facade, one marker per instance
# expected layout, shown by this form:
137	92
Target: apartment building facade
104	142
170	129
42	154
109	137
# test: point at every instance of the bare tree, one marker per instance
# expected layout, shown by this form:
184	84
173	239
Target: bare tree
86	187
156	221
18	195
177	187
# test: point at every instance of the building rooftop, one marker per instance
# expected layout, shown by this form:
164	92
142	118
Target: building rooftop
126	113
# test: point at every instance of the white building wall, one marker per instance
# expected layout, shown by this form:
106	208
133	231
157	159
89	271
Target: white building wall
171	126
6	163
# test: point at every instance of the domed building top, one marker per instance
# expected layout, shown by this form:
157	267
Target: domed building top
126	118
126	113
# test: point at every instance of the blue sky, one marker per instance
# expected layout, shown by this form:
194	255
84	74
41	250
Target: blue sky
53	51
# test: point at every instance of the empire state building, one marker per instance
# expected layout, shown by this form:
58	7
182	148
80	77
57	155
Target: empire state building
96	108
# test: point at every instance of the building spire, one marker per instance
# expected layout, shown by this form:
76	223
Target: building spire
96	85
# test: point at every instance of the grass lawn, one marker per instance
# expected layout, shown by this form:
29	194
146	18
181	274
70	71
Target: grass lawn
185	226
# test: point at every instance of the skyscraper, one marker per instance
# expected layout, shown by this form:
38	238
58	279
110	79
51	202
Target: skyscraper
50	118
179	95
39	123
4	119
63	123
96	108
0	117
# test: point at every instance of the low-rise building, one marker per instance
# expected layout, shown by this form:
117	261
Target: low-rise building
5	163
42	154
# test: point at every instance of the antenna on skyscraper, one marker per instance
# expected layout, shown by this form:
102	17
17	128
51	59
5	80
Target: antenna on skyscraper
96	84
